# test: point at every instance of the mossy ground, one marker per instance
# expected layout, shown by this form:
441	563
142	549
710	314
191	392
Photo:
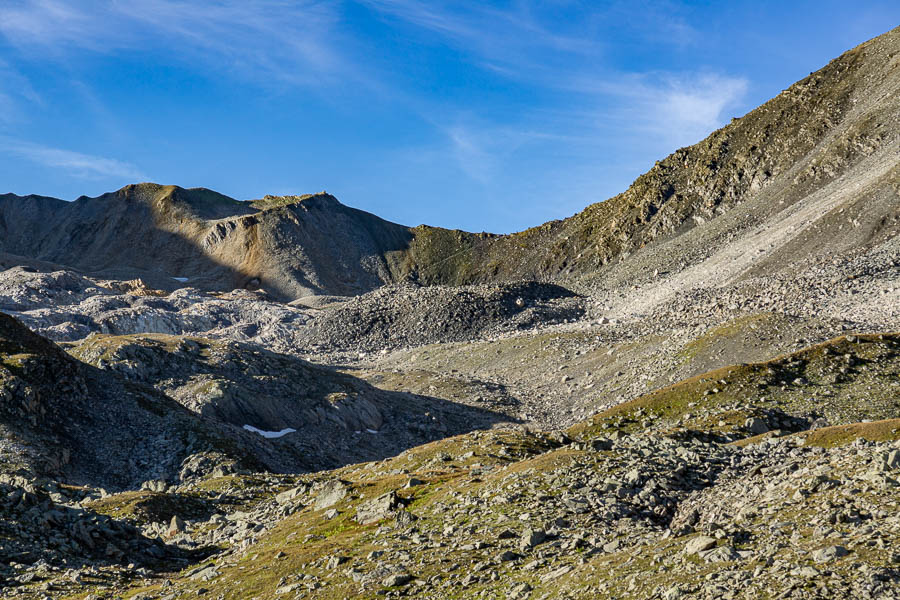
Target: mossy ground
151	507
841	380
298	549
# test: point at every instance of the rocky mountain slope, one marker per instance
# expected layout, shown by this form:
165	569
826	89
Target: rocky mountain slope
691	390
292	246
738	482
820	160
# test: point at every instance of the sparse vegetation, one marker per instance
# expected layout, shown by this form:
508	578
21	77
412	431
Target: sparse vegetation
709	409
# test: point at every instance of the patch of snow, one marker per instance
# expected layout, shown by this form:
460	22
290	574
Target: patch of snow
181	279
269	434
371	431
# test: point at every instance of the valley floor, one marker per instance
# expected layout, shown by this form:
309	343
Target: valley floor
745	443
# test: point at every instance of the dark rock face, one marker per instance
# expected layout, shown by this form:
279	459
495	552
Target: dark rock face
398	316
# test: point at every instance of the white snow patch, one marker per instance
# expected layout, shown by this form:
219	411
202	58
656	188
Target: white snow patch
181	279
269	434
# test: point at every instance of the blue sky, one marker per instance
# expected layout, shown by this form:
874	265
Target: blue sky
478	115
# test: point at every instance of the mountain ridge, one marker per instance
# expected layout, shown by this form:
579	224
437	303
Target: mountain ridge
699	397
159	233
823	127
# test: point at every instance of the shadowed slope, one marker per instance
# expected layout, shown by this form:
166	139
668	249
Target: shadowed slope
292	246
61	418
147	407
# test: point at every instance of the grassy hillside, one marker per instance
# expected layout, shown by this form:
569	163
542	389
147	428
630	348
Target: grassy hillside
673	494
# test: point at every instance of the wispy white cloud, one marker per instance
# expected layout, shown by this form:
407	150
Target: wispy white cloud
481	149
7	107
45	22
292	40
480	25
568	62
471	154
679	109
530	40
14	87
691	108
513	41
77	164
288	40
430	16
656	113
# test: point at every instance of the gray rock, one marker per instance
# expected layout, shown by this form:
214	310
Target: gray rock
632	477
176	526
377	509
335	561
507	555
332	493
288	495
405	518
720	554
396	580
206	574
600	444
699	544
555	574
155	485
673	593
610	547
887	461
829	553
287	589
756	426
531	538
807	572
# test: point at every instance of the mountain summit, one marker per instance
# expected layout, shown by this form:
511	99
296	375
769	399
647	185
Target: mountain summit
817	162
689	390
291	246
